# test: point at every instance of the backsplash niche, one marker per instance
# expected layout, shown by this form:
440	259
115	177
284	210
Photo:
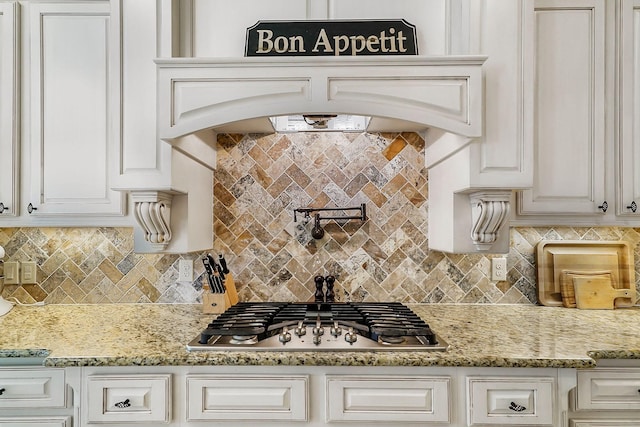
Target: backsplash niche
261	179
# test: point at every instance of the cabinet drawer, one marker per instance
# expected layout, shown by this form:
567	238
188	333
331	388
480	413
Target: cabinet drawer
511	400
35	422
32	388
609	389
397	399
128	399
223	397
604	423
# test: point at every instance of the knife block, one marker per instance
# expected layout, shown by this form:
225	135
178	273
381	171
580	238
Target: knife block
218	303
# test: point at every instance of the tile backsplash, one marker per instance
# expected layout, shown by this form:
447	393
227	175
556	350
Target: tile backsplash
259	180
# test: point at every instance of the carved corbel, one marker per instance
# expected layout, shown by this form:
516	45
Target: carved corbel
489	212
152	210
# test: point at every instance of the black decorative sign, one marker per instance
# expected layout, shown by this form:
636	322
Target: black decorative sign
331	38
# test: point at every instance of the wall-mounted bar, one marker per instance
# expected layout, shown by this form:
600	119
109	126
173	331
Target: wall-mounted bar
317	232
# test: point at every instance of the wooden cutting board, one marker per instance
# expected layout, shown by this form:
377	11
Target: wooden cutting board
596	292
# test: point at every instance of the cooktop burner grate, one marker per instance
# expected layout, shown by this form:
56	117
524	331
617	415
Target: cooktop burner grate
349	326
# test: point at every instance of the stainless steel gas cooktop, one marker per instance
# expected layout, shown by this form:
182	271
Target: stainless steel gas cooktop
318	327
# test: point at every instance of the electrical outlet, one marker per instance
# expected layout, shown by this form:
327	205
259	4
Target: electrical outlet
185	270
28	273
11	270
498	269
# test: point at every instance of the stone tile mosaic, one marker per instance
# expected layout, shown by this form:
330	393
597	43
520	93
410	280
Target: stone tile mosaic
260	179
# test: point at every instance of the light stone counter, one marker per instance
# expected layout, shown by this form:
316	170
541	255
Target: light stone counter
478	335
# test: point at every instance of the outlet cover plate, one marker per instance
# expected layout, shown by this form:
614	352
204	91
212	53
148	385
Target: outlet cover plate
185	270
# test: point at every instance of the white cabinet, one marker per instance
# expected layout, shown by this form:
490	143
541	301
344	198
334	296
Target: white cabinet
391	399
628	155
9	143
511	401
71	86
607	397
60	114
568	62
33	397
128	399
586	114
247	398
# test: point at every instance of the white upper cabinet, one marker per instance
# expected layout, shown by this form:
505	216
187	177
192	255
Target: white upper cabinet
9	144
72	78
586	114
628	156
568	62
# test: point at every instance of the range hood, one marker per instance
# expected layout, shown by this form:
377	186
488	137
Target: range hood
441	97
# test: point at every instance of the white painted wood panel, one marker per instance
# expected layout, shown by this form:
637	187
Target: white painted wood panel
609	389
214	28
569	138
250	397
511	401
629	111
32	388
74	111
52	421
9	144
390	399
143	398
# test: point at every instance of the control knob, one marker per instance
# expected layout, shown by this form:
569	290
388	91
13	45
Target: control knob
300	330
285	336
350	336
318	330
336	330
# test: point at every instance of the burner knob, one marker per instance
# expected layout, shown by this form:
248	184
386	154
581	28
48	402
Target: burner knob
285	336
317	339
300	330
318	330
351	336
336	330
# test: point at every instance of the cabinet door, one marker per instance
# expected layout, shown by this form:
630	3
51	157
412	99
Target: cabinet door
73	91
629	110
8	109
35	421
569	109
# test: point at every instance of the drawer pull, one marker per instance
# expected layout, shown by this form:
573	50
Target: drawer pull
124	404
604	206
633	206
31	208
2	390
515	407
3	207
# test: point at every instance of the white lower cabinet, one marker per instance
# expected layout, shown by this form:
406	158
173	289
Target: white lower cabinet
141	398
33	397
247	397
319	396
607	397
390	399
511	401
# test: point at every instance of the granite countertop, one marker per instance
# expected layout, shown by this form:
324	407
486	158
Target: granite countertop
478	335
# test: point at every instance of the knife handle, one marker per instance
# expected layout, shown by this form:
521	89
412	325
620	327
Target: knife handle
223	264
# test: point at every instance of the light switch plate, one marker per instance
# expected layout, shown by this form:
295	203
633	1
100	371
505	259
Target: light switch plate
11	270
28	273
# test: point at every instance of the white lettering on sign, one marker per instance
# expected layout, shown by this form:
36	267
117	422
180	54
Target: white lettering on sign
352	45
281	44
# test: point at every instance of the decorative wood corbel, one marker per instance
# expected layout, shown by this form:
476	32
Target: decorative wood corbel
152	210
489	212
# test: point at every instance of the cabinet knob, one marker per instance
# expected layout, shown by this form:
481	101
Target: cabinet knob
31	208
5	208
604	206
2	390
633	206
515	407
